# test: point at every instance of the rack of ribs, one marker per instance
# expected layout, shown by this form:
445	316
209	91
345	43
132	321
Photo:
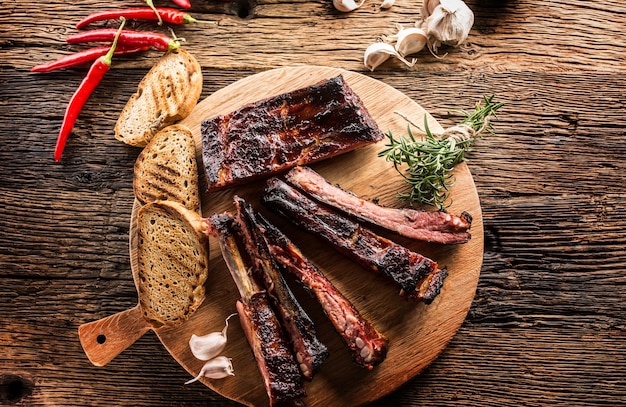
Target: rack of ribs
310	352
429	226
299	127
419	278
368	347
278	366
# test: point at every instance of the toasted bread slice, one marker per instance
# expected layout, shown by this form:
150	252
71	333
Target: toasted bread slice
166	169
168	93
172	266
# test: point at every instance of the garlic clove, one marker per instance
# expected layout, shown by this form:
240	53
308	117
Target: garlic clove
387	4
208	346
347	5
217	368
410	41
428	6
377	53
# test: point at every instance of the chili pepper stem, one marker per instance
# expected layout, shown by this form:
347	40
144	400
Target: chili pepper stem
151	5
187	19
108	57
175	42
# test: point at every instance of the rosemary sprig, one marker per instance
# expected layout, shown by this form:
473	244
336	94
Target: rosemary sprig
427	163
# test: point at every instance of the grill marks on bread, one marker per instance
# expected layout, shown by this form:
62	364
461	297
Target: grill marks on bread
173	254
167	94
166	169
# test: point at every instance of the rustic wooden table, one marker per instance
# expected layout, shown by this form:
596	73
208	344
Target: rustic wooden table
548	322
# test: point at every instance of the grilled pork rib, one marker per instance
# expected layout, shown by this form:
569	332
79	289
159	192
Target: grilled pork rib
368	346
429	226
281	375
309	350
419	277
298	127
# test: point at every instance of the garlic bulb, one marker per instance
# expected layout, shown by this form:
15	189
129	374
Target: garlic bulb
210	345
410	41
387	4
216	368
347	5
449	22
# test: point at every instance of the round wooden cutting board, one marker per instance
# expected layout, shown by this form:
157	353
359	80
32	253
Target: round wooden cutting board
417	332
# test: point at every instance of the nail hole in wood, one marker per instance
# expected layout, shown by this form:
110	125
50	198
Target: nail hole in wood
101	339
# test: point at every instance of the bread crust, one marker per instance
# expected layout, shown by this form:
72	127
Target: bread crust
173	258
168	93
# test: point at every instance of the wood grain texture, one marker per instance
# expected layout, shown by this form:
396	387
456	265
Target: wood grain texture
547	325
104	339
507	36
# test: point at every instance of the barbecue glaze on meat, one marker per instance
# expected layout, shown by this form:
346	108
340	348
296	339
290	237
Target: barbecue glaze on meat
277	133
419	277
278	366
367	346
428	226
274	358
309	350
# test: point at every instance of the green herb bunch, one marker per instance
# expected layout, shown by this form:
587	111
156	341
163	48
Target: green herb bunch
426	163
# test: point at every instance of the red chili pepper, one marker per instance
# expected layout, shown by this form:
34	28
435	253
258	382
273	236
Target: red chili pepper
169	15
93	78
81	57
127	38
182	3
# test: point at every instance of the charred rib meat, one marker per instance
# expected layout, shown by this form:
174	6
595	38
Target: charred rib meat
419	277
429	226
277	364
368	346
310	352
299	127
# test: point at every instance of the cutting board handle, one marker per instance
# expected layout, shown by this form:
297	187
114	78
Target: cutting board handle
104	339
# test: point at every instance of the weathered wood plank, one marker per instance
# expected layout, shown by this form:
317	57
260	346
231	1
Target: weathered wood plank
503	373
507	36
